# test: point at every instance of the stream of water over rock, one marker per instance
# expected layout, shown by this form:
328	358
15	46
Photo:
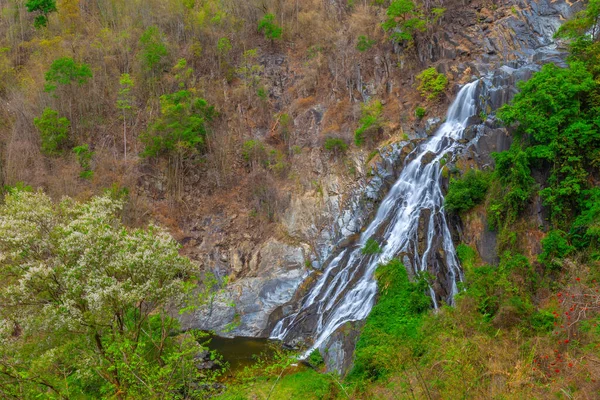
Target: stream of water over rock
346	290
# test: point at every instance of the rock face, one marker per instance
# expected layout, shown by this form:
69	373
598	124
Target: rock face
244	309
338	351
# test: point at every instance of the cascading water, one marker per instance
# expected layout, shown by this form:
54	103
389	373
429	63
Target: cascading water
346	290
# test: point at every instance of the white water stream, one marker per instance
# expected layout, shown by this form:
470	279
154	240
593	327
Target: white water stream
346	290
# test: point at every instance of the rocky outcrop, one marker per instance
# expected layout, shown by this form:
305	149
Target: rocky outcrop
244	308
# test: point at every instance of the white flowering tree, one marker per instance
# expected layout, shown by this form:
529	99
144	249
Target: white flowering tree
84	304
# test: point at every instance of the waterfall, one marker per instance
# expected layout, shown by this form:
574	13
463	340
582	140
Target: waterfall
346	290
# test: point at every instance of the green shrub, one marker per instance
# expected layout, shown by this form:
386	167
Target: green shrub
84	157
513	186
369	121
181	128
253	151
153	51
404	20
53	131
466	192
44	7
431	83
420	112
224	46
371	247
555	247
393	323
335	145
65	71
364	43
467	256
315	358
269	28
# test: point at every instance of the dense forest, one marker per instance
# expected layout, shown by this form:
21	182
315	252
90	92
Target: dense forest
132	134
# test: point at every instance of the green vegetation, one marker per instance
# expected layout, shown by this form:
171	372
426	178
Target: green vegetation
335	145
364	43
466	192
181	128
65	71
371	247
404	20
84	157
431	83
154	51
54	131
269	27
420	112
86	304
370	120
43	7
392	324
556	112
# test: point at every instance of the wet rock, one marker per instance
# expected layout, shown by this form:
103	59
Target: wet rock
428	157
338	349
245	308
431	125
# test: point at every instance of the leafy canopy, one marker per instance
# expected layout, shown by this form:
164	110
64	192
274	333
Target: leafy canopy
404	20
369	120
65	71
466	192
181	127
54	131
44	7
86	303
557	115
269	27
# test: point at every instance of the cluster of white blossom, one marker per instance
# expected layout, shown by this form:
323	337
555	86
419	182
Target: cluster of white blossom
73	266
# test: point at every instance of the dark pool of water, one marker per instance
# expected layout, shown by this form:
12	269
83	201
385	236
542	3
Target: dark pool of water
240	352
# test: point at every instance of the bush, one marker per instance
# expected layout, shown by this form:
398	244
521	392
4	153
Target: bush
404	20
45	7
65	71
269	28
153	50
432	84
513	186
253	152
53	131
181	128
370	120
364	43
335	145
84	157
555	247
420	112
393	322
315	358
466	192
371	247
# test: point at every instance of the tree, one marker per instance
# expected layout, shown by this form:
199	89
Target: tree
370	120
269	28
53	131
125	105
404	20
85	304
153	50
65	71
44	7
179	133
